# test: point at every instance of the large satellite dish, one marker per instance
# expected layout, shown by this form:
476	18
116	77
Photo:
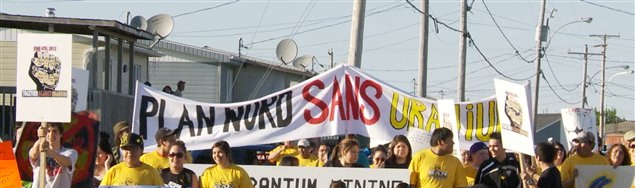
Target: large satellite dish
287	50
139	22
303	61
161	25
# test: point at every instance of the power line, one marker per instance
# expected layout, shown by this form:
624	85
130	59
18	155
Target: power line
556	78
504	35
554	92
490	64
208	8
610	8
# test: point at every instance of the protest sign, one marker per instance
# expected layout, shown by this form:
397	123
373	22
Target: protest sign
576	120
79	94
43	77
343	100
317	177
477	121
605	176
9	175
515	115
80	134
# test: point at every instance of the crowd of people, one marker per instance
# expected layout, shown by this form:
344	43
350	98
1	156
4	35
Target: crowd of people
483	165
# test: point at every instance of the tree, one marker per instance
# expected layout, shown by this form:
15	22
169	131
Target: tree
611	116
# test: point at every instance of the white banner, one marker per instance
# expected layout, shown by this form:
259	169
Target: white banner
341	101
79	94
317	177
43	77
576	120
597	176
514	110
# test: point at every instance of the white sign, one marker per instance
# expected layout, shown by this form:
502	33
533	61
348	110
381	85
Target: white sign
80	89
341	101
477	121
514	112
43	77
605	176
317	177
576	120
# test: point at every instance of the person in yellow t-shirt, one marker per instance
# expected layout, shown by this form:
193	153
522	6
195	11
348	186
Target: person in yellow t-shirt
304	157
158	158
584	156
436	167
478	153
224	173
629	139
323	155
132	171
287	149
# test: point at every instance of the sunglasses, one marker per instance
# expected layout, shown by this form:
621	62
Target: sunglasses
379	159
631	146
178	155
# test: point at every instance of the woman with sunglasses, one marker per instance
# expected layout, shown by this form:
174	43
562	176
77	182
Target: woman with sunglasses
224	173
379	157
176	175
561	154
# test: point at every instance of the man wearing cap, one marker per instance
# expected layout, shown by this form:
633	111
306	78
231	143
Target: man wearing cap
120	129
179	88
479	152
132	171
159	157
287	149
585	141
304	156
629	138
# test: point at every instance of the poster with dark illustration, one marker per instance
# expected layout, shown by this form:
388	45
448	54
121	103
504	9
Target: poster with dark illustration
515	115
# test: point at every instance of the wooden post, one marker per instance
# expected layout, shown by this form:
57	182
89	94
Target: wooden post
42	172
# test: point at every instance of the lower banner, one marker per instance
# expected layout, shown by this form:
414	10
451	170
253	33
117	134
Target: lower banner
317	177
605	176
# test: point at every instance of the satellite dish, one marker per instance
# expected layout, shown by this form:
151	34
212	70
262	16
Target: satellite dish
139	22
303	61
161	25
287	50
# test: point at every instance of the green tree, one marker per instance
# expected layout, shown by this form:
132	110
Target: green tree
611	116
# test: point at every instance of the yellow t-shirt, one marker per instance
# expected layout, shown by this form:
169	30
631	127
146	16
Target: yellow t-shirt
566	169
233	176
293	151
316	163
307	161
431	170
122	175
470	174
155	160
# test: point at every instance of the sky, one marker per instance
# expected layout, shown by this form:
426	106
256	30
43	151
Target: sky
391	40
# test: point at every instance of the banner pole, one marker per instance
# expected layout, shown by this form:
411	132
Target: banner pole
42	180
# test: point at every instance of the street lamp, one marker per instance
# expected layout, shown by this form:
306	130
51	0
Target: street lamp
602	110
585	20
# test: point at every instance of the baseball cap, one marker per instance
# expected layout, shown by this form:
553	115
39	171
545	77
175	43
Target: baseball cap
119	126
304	143
477	146
131	140
163	132
585	137
629	136
180	82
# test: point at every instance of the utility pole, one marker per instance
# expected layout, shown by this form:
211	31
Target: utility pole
330	52
539	39
586	59
357	34
423	50
462	47
602	111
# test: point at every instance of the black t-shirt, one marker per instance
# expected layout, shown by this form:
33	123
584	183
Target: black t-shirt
184	178
391	164
493	173
337	164
550	178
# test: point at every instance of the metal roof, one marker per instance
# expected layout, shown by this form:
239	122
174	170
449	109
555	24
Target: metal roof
73	25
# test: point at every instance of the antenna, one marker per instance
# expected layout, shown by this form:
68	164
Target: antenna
287	50
139	22
161	26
